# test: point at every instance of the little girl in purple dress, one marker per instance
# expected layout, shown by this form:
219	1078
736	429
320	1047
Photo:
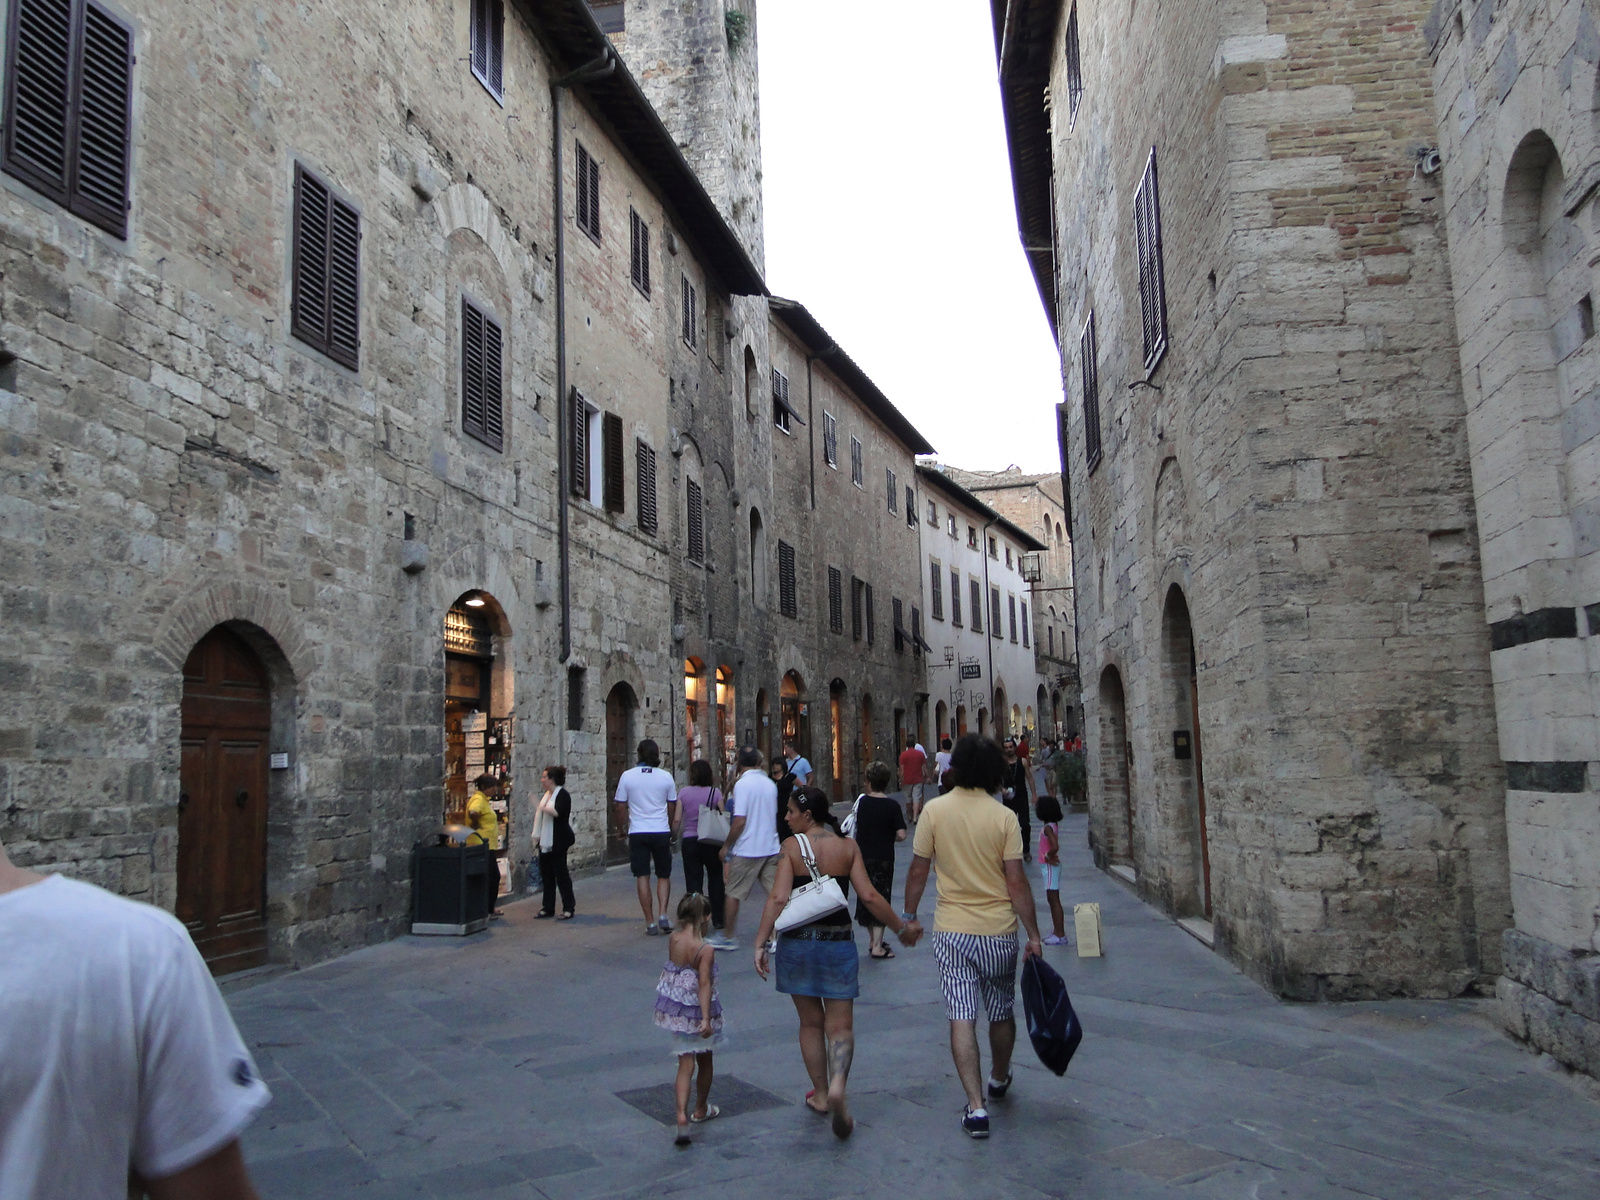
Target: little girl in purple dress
688	1009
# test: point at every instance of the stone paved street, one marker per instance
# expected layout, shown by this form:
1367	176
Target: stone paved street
492	1067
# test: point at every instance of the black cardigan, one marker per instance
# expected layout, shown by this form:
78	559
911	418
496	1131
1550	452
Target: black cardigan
564	837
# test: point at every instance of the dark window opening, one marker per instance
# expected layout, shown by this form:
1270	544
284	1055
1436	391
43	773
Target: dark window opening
835	600
575	697
1074	68
1089	351
1152	271
696	522
611	458
612	17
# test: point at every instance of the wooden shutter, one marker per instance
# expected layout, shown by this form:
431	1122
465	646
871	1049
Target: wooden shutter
1011	615
911	507
588	171
696	515
639	251
898	609
690	316
955	596
1152	271
856	468
482	402
611	447
830	439
872	623
647	487
936	590
1089	351
488	44
578	446
977	606
68	107
894	491
994	613
1025	642
835	600
326	310
786	587
857	609
1074	68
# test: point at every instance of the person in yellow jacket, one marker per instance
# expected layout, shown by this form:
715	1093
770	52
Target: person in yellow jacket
485	824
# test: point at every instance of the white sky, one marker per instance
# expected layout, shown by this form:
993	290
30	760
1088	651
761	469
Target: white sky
889	216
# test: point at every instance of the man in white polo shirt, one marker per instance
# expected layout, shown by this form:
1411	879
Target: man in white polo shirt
646	806
751	850
118	1057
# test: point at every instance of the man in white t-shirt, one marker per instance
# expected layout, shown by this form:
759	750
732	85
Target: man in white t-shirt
751	851
118	1057
798	765
646	808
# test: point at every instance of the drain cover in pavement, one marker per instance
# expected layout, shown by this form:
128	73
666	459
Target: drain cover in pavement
1162	1158
731	1094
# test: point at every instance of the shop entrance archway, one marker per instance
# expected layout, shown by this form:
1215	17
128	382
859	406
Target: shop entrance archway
796	714
836	725
222	803
621	747
726	751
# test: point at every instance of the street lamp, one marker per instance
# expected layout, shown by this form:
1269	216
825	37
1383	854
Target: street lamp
1032	567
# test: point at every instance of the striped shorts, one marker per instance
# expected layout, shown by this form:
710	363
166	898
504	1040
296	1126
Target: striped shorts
973	965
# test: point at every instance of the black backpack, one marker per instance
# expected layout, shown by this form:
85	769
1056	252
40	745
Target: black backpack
1052	1024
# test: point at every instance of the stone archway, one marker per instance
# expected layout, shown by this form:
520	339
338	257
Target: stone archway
1191	865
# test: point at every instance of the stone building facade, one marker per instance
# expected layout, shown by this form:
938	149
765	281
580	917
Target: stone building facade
388	434
1037	503
1284	652
1519	158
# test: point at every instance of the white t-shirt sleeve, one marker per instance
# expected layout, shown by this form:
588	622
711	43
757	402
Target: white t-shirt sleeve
198	1086
622	789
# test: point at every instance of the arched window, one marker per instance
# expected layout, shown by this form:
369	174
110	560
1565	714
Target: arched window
758	560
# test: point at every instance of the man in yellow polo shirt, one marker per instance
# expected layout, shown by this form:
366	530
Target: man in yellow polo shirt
983	893
485	824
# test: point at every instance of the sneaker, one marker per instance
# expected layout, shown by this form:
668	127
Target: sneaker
997	1089
653	930
666	925
1057	940
975	1124
721	941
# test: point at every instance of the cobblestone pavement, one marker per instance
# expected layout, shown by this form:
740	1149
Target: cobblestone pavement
522	1063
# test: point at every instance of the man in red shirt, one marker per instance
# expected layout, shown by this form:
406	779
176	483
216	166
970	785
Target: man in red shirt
913	766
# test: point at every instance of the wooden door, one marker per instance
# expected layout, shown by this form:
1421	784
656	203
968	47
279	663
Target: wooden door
619	757
222	804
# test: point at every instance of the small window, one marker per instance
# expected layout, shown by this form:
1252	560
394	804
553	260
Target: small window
976	608
575	691
858	608
588	215
897	608
933	513
994	549
894	493
781	412
1152	271
1050	637
830	440
857	471
1011	614
835	600
696	523
1008	556
950	520
482	410
1089	350
489	45
1074	68
611	439
612	15
955	597
1025	643
936	589
69	107
972	537
326	306
911	507
645	475
690	306
994	613
639	252
717	334
787	603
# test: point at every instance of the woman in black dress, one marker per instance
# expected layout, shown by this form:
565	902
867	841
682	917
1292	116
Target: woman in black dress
880	823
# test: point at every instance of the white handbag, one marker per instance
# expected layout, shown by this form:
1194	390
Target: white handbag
715	823
812	901
848	825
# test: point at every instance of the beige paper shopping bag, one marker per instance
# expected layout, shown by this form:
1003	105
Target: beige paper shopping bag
1086	923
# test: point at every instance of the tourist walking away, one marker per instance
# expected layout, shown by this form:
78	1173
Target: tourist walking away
485	824
797	764
1049	810
552	834
646	808
751	851
983	893
817	964
913	767
941	767
688	1008
879	824
1016	792
1044	769
702	864
121	1070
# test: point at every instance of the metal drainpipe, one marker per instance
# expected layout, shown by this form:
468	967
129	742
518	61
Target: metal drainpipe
591	71
983	549
811	429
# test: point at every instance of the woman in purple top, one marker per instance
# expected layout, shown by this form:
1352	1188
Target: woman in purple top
701	863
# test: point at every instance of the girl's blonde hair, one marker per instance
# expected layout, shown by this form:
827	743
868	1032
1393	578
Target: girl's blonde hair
694	910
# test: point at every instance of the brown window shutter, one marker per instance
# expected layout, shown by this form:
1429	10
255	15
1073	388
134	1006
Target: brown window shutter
309	311
105	117
857	620
38	115
955	596
578	446
344	284
872	623
639	251
899	616
835	600
786	583
611	446
646	475
482	406
696	515
977	606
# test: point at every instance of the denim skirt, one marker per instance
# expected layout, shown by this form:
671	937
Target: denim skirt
828	970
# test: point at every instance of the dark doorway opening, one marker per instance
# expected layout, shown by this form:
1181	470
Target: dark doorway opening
621	749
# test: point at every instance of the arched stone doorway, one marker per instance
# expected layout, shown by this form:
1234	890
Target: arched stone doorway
621	746
1001	725
983	722
796	714
222	803
1191	869
941	724
836	725
961	720
758	560
478	696
1115	778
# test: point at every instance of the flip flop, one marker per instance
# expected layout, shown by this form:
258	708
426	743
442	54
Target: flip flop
821	1112
887	953
712	1113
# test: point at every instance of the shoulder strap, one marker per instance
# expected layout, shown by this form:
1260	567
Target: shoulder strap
806	854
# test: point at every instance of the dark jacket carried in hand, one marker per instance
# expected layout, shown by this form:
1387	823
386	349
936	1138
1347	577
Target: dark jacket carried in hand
1052	1025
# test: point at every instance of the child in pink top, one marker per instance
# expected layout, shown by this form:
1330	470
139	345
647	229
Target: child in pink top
1049	811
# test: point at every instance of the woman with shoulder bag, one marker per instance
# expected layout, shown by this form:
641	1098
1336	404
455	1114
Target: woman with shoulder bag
552	834
817	963
700	811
